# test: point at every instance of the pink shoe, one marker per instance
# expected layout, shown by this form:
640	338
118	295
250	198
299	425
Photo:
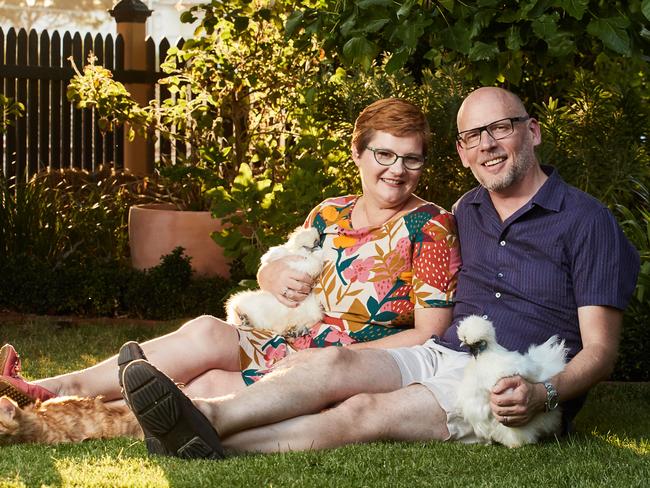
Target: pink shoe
9	361
21	392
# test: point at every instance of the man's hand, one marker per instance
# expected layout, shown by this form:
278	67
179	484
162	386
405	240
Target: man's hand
288	286
515	401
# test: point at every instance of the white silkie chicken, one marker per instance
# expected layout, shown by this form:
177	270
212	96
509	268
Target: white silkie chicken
489	364
260	309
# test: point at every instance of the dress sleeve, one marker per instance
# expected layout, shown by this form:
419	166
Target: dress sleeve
436	261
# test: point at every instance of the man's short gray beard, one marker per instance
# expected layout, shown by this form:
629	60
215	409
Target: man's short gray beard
517	171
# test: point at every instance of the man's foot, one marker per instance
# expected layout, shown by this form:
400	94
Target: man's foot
21	392
9	361
166	413
129	352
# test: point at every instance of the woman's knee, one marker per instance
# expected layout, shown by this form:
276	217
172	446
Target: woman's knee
204	328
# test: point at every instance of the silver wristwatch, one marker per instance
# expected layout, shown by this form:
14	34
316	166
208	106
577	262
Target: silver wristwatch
552	397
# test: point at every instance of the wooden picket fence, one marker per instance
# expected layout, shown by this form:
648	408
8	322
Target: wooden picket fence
35	70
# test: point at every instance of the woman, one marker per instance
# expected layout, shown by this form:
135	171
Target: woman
388	280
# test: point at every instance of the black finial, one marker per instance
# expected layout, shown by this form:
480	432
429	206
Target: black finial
130	11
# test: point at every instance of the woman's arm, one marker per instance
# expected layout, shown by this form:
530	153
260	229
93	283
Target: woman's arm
277	276
428	322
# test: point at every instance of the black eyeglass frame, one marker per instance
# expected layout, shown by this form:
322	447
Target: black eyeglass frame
486	128
397	156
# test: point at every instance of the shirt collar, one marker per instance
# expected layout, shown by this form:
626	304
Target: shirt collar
550	196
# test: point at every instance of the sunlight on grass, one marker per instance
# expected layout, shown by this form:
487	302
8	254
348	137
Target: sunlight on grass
642	446
110	471
15	483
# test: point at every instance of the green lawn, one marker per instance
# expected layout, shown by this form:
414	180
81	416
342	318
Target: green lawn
611	448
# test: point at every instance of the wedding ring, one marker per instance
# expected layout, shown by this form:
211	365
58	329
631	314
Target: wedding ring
506	420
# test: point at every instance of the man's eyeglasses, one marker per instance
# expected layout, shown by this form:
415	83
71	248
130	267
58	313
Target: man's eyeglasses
386	157
499	129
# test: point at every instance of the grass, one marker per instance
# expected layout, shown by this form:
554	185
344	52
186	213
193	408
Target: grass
611	447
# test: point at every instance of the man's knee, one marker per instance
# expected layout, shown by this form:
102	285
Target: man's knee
408	414
360	417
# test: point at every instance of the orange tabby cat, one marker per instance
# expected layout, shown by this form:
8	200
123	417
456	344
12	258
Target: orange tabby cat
65	419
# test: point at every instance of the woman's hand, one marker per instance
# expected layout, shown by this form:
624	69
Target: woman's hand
289	286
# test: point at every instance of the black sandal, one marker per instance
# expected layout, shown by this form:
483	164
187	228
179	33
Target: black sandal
166	414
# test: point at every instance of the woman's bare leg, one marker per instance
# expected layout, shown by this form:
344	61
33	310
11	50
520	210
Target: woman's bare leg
211	384
205	343
215	383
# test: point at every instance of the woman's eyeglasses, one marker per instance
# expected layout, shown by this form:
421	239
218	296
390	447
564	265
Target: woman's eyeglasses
386	157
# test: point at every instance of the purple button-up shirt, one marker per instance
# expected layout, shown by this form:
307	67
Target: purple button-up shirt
529	274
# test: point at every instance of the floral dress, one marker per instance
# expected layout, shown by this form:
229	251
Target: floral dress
372	281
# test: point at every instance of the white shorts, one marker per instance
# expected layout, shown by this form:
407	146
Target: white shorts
440	369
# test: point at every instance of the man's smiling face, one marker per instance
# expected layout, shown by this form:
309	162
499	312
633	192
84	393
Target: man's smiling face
497	164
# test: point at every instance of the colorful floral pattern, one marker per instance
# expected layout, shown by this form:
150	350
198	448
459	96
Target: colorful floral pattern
372	281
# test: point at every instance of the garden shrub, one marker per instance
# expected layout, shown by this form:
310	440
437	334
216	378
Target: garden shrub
110	288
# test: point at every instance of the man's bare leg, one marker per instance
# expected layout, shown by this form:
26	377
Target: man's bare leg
322	379
202	344
407	414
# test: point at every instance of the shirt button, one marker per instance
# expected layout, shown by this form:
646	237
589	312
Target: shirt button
485	317
502	243
499	275
497	294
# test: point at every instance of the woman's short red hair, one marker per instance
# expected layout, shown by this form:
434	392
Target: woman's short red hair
393	115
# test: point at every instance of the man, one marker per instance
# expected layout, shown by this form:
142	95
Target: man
539	258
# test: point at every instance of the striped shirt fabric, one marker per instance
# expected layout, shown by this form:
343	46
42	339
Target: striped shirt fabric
530	273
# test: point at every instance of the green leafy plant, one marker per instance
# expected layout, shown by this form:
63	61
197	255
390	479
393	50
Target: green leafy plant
9	109
228	101
512	41
597	138
633	363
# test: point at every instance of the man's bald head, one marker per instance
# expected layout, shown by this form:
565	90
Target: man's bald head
488	104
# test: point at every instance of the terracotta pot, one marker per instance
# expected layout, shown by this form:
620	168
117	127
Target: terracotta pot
157	229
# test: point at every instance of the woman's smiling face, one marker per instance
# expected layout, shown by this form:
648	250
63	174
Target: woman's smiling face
388	186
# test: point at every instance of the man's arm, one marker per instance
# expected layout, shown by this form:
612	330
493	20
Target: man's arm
600	329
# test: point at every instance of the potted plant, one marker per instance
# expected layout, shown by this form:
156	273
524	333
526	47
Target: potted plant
240	101
219	84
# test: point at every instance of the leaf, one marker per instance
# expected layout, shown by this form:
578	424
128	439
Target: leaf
575	8
366	4
483	52
187	17
293	22
346	264
241	23
372	305
457	38
397	61
448	4
645	8
481	20
375	25
612	32
545	27
349	24
404	10
561	45
385	316
360	50
513	38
